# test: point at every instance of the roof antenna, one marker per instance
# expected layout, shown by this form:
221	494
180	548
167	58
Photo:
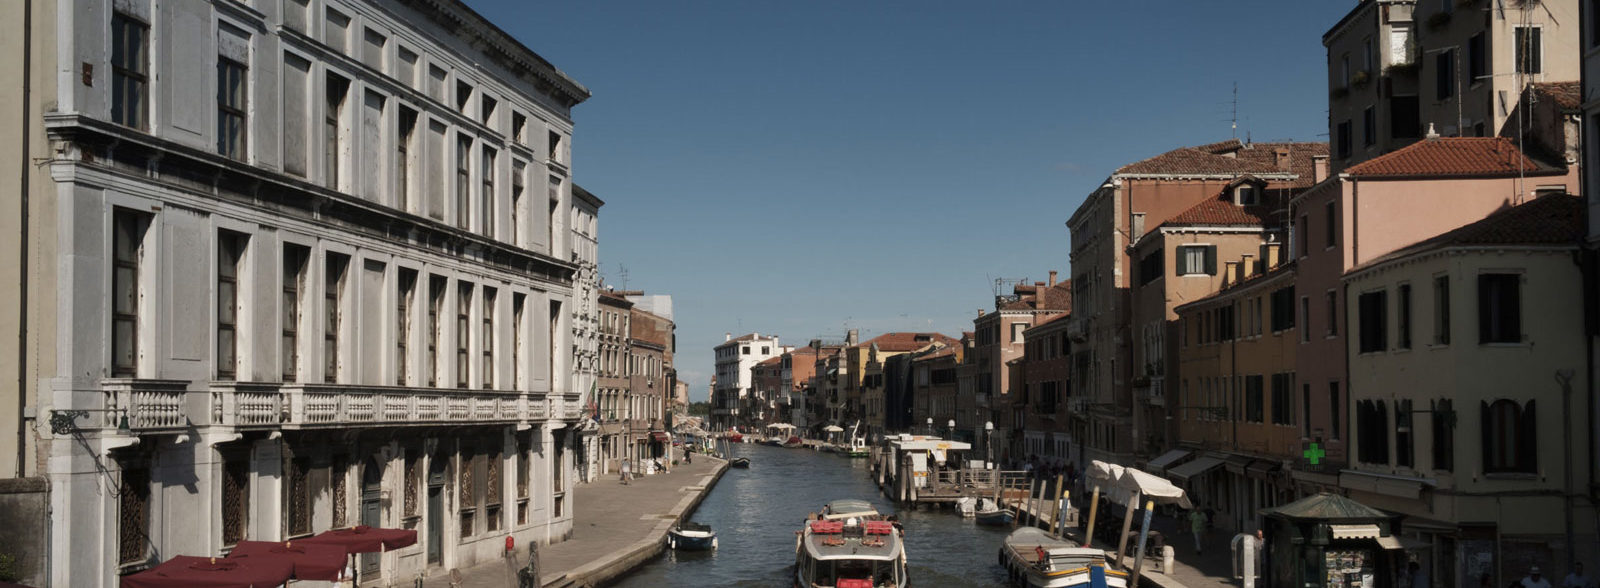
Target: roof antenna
1235	120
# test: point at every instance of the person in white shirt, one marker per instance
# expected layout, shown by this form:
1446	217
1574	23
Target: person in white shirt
1534	580
1576	579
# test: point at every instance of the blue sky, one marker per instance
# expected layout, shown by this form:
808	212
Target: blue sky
804	167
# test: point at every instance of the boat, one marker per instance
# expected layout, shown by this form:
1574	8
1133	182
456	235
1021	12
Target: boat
858	448
794	442
691	537
989	513
739	462
850	546
734	437
1036	559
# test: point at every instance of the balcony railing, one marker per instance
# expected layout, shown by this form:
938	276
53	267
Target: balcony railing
250	405
150	405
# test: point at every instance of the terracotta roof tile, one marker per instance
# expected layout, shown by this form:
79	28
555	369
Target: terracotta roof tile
1232	157
1552	219
1450	157
1567	95
902	341
1220	210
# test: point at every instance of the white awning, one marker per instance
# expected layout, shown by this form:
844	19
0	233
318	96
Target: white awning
833	429
1194	468
1161	463
1153	488
1389	542
1368	531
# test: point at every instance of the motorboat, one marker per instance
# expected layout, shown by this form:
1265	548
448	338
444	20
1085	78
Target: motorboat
794	442
691	537
858	448
850	545
739	462
989	513
1036	559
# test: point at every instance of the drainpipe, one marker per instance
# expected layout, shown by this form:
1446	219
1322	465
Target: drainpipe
22	249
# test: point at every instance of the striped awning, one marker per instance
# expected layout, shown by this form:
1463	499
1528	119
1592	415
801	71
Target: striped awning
1368	531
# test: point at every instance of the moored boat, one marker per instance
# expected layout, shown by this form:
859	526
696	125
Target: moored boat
989	513
850	546
794	442
1037	559
739	462
691	537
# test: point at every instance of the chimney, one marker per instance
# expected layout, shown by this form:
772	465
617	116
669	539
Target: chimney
1247	264
1283	158
1432	134
1230	274
1269	255
1052	278
852	337
727	336
1319	168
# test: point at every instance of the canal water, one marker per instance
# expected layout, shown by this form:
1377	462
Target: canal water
756	512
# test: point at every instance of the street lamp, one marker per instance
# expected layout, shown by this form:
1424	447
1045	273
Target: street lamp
988	435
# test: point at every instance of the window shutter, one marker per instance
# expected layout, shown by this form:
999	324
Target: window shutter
1485	434
1211	259
1528	439
1512	303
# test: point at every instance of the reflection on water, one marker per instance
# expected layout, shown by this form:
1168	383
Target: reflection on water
756	513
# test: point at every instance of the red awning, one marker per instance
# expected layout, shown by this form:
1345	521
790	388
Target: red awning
308	561
364	539
660	436
209	572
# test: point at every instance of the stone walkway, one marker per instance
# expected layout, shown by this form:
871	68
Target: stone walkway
1210	569
615	528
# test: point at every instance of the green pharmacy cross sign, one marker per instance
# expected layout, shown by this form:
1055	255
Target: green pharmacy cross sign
1314	454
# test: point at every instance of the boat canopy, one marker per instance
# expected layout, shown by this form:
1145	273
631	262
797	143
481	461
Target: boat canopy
849	507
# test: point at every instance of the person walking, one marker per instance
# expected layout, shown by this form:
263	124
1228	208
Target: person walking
1197	525
625	472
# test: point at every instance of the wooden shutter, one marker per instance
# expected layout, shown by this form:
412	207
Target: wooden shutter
1211	259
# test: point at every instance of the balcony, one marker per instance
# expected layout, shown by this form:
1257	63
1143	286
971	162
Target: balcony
149	405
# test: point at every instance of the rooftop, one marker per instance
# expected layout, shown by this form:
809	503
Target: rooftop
905	341
1233	157
1567	95
1451	157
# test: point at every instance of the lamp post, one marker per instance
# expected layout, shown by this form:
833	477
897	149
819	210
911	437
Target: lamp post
988	447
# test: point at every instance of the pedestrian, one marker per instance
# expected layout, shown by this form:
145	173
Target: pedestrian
1197	525
625	472
1534	580
686	457
1576	579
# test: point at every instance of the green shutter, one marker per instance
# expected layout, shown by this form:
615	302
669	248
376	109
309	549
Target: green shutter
1211	259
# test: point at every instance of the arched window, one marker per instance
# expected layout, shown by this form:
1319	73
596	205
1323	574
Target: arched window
1509	437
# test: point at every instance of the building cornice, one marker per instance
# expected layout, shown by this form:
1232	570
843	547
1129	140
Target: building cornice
1447	251
460	19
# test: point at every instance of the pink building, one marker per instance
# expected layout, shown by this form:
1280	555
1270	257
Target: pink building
1374	208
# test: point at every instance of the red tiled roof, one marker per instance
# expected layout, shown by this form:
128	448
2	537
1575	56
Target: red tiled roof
1552	219
1232	157
1220	210
1567	95
1188	160
1053	318
946	352
907	341
774	360
1450	156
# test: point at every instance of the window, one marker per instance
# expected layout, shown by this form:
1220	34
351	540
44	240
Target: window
230	252
1404	450
332	137
463	180
518	301
1305	319
1530	49
1476	66
1305	410
1369	127
403	163
231	90
1343	139
491	490
487	196
486	109
402	327
1246	196
130	71
488	338
235	499
1403	317
430	361
555	147
127	257
467	496
1441	310
1197	260
1333	313
294	280
1150	267
518	171
1016	331
1282	301
372	49
405	69
1444	445
1405	117
1373	309
299	499
1510	437
519	122
1594	23
1444	75
297	117
1499	308
1282	399
463	96
463	330
1335	409
1372	432
1331	223
1253	398
337	33
333	315
294	15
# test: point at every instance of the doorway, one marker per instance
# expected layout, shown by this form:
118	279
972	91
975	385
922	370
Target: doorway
371	510
436	477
